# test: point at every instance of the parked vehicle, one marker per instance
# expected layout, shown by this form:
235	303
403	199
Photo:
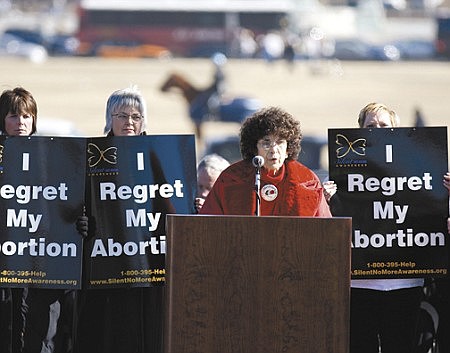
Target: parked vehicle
415	49
443	34
58	44
11	45
62	45
357	49
27	35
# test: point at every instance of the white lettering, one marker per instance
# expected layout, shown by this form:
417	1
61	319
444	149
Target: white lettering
389	185
400	239
98	249
135	220
25	193
25	161
34	222
387	212
20	220
140	193
130	248
154	220
388	153
140	161
41	248
139	219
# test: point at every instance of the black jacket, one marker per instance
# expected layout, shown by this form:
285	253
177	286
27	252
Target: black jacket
36	320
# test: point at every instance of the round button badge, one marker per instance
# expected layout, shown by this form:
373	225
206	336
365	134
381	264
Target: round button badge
269	192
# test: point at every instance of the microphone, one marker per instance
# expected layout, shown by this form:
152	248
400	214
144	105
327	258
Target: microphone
258	161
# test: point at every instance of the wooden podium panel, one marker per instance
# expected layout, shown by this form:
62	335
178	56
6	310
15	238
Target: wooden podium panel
257	284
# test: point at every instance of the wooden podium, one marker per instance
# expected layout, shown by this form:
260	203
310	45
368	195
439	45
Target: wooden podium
257	284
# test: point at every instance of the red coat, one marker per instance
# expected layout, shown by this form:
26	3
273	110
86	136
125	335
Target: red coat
300	192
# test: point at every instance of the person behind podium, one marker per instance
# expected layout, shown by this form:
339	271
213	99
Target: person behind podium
287	187
208	170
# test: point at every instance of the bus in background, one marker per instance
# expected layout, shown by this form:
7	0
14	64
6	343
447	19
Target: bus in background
187	28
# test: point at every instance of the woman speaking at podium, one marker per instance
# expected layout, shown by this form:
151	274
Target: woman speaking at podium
268	181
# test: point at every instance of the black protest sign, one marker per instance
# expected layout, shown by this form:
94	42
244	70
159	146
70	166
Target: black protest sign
390	182
133	182
42	195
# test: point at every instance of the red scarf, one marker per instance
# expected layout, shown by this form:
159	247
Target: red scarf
299	192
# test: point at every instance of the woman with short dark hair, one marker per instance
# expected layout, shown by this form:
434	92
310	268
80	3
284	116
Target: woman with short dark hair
31	319
18	112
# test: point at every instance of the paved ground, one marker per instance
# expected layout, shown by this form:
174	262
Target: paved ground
320	95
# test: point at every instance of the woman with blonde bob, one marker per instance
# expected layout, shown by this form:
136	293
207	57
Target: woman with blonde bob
377	115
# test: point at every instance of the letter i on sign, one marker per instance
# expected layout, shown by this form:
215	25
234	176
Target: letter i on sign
140	161
388	153
26	162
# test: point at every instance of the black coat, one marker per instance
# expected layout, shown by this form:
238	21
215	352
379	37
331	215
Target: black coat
36	320
120	320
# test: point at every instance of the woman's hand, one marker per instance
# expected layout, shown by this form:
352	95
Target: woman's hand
198	203
447	181
329	189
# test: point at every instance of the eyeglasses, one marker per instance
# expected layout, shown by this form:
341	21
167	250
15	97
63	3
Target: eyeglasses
267	144
124	117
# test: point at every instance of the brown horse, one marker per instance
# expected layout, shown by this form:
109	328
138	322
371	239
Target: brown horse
205	104
190	94
177	81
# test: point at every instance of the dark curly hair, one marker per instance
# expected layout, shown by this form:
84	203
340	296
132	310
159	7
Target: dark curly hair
270	121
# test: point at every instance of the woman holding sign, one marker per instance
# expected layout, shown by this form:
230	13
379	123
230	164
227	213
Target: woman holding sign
383	312
31	319
121	319
126	113
18	113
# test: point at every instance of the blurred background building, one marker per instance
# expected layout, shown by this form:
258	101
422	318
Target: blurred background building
287	29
